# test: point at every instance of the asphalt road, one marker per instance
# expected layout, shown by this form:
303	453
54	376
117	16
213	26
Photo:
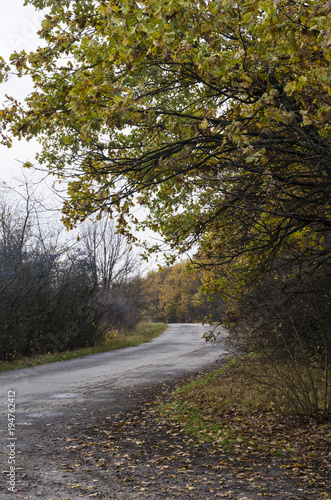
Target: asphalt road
48	391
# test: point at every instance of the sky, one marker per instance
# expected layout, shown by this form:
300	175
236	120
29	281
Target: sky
18	31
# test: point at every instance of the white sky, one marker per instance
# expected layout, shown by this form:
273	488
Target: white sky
18	28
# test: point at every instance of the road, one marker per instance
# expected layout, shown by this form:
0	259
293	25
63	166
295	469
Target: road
89	428
48	391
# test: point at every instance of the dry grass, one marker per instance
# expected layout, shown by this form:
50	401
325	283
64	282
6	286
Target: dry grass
231	408
144	332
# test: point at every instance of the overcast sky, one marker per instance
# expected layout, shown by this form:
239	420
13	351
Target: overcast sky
18	27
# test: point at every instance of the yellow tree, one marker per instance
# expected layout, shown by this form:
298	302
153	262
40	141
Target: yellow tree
214	115
173	294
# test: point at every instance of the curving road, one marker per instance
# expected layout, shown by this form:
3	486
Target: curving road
49	390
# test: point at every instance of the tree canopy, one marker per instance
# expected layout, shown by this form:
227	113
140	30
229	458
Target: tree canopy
215	115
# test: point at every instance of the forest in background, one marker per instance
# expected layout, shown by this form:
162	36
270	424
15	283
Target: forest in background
174	294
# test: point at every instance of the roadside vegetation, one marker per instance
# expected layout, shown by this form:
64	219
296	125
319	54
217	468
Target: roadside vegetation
115	339
64	297
231	408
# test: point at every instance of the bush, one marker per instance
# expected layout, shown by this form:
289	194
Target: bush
60	297
47	305
286	318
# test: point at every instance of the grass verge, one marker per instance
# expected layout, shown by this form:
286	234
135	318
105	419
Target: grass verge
230	409
144	332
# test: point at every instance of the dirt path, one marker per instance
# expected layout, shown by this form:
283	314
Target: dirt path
116	447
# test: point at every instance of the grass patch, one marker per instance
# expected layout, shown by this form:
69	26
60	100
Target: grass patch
144	332
230	409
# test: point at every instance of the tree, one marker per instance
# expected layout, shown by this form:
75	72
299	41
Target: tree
57	295
112	259
46	289
215	115
115	268
173	295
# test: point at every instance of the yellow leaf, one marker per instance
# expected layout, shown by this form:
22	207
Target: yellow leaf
204	124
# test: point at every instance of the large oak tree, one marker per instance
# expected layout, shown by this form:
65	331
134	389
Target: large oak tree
215	115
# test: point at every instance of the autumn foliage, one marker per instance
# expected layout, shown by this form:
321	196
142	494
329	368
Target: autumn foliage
174	295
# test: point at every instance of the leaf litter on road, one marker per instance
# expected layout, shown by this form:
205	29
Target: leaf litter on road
145	452
131	451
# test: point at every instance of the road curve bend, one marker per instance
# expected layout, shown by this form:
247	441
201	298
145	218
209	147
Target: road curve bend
49	389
